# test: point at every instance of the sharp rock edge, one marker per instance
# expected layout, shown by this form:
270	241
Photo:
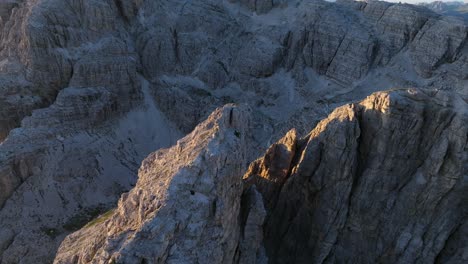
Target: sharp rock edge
382	180
185	206
90	88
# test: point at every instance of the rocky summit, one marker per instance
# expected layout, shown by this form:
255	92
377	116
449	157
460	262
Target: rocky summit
143	131
379	181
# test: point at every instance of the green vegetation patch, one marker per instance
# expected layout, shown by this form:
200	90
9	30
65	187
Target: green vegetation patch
102	218
82	218
51	232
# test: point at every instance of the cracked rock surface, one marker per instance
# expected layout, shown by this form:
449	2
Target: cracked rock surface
184	207
89	88
383	180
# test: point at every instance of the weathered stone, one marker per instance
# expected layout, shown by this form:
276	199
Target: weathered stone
437	43
382	180
185	206
76	119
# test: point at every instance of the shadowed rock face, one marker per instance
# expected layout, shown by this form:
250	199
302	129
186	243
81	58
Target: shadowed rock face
383	180
185	206
90	88
49	45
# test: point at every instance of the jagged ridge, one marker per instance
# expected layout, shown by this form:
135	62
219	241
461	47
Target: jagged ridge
383	180
184	207
81	61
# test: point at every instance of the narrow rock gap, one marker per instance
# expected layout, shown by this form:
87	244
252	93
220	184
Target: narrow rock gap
120	9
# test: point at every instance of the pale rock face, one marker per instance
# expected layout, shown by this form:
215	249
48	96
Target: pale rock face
184	207
382	180
70	162
438	42
90	88
401	24
46	44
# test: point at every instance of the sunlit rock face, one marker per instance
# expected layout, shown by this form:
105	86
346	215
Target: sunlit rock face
379	180
185	206
89	88
382	180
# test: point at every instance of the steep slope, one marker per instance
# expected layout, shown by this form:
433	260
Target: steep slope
383	180
89	88
68	163
184	207
455	8
48	45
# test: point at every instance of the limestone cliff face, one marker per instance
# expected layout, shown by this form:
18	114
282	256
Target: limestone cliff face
185	206
70	162
90	88
383	180
48	45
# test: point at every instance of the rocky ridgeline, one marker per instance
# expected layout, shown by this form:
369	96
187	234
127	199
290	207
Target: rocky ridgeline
90	88
382	180
184	207
48	45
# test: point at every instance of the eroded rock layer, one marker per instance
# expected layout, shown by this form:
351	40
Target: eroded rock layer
383	180
185	206
90	88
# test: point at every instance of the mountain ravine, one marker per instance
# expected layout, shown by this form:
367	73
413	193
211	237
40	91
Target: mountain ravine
143	131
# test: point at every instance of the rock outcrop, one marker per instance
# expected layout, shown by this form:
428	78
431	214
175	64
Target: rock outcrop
184	207
48	45
70	162
383	180
450	8
90	88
